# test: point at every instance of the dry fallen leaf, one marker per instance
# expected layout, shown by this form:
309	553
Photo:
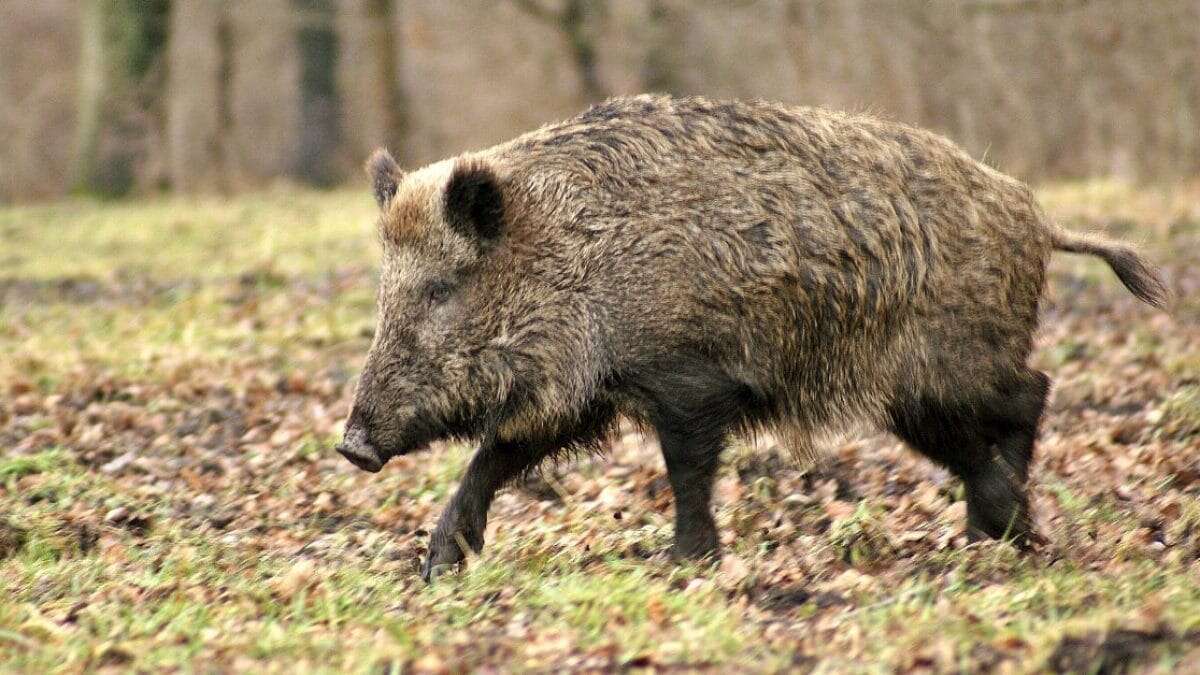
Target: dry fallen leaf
850	580
656	610
117	515
837	510
430	664
732	571
299	576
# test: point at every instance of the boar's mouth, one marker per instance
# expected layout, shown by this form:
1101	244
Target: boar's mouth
367	453
368	456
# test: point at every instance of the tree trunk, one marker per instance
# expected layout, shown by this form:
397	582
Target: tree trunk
320	105
660	71
199	52
119	90
579	21
225	51
383	17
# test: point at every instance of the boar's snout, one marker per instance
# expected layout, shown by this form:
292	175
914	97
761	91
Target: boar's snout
361	453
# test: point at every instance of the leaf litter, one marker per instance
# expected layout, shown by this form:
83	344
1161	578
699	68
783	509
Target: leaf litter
172	502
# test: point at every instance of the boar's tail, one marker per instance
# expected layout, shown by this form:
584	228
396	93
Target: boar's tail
1138	276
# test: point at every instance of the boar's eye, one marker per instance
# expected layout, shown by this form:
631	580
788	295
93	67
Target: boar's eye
437	292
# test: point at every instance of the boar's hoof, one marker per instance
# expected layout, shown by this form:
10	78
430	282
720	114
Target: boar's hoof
441	559
704	547
431	571
450	550
1024	540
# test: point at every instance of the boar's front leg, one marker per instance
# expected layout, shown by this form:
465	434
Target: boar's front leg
462	523
496	463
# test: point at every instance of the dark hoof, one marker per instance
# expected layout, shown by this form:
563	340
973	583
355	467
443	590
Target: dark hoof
438	563
432	570
1023	541
701	550
445	554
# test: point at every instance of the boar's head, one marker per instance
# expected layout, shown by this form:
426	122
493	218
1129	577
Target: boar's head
437	367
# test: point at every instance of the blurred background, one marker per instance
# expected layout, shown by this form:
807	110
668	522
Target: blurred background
184	311
117	97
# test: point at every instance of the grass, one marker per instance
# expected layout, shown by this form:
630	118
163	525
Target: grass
1180	414
283	232
176	372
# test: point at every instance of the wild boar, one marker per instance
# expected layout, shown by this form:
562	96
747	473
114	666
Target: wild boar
710	269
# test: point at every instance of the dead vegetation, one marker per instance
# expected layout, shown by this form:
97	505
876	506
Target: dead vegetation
169	498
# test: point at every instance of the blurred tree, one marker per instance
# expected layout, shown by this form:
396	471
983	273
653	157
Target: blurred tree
320	102
662	65
119	89
1042	88
198	105
580	22
225	52
383	39
374	106
382	15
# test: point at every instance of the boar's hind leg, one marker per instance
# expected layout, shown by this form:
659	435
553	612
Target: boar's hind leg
692	464
988	443
692	413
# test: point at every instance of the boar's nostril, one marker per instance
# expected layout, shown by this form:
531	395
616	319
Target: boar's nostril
359	451
364	458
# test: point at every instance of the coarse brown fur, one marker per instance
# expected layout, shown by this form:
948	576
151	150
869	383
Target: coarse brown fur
707	268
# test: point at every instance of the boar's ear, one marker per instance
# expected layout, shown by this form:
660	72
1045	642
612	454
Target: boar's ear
474	203
385	176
